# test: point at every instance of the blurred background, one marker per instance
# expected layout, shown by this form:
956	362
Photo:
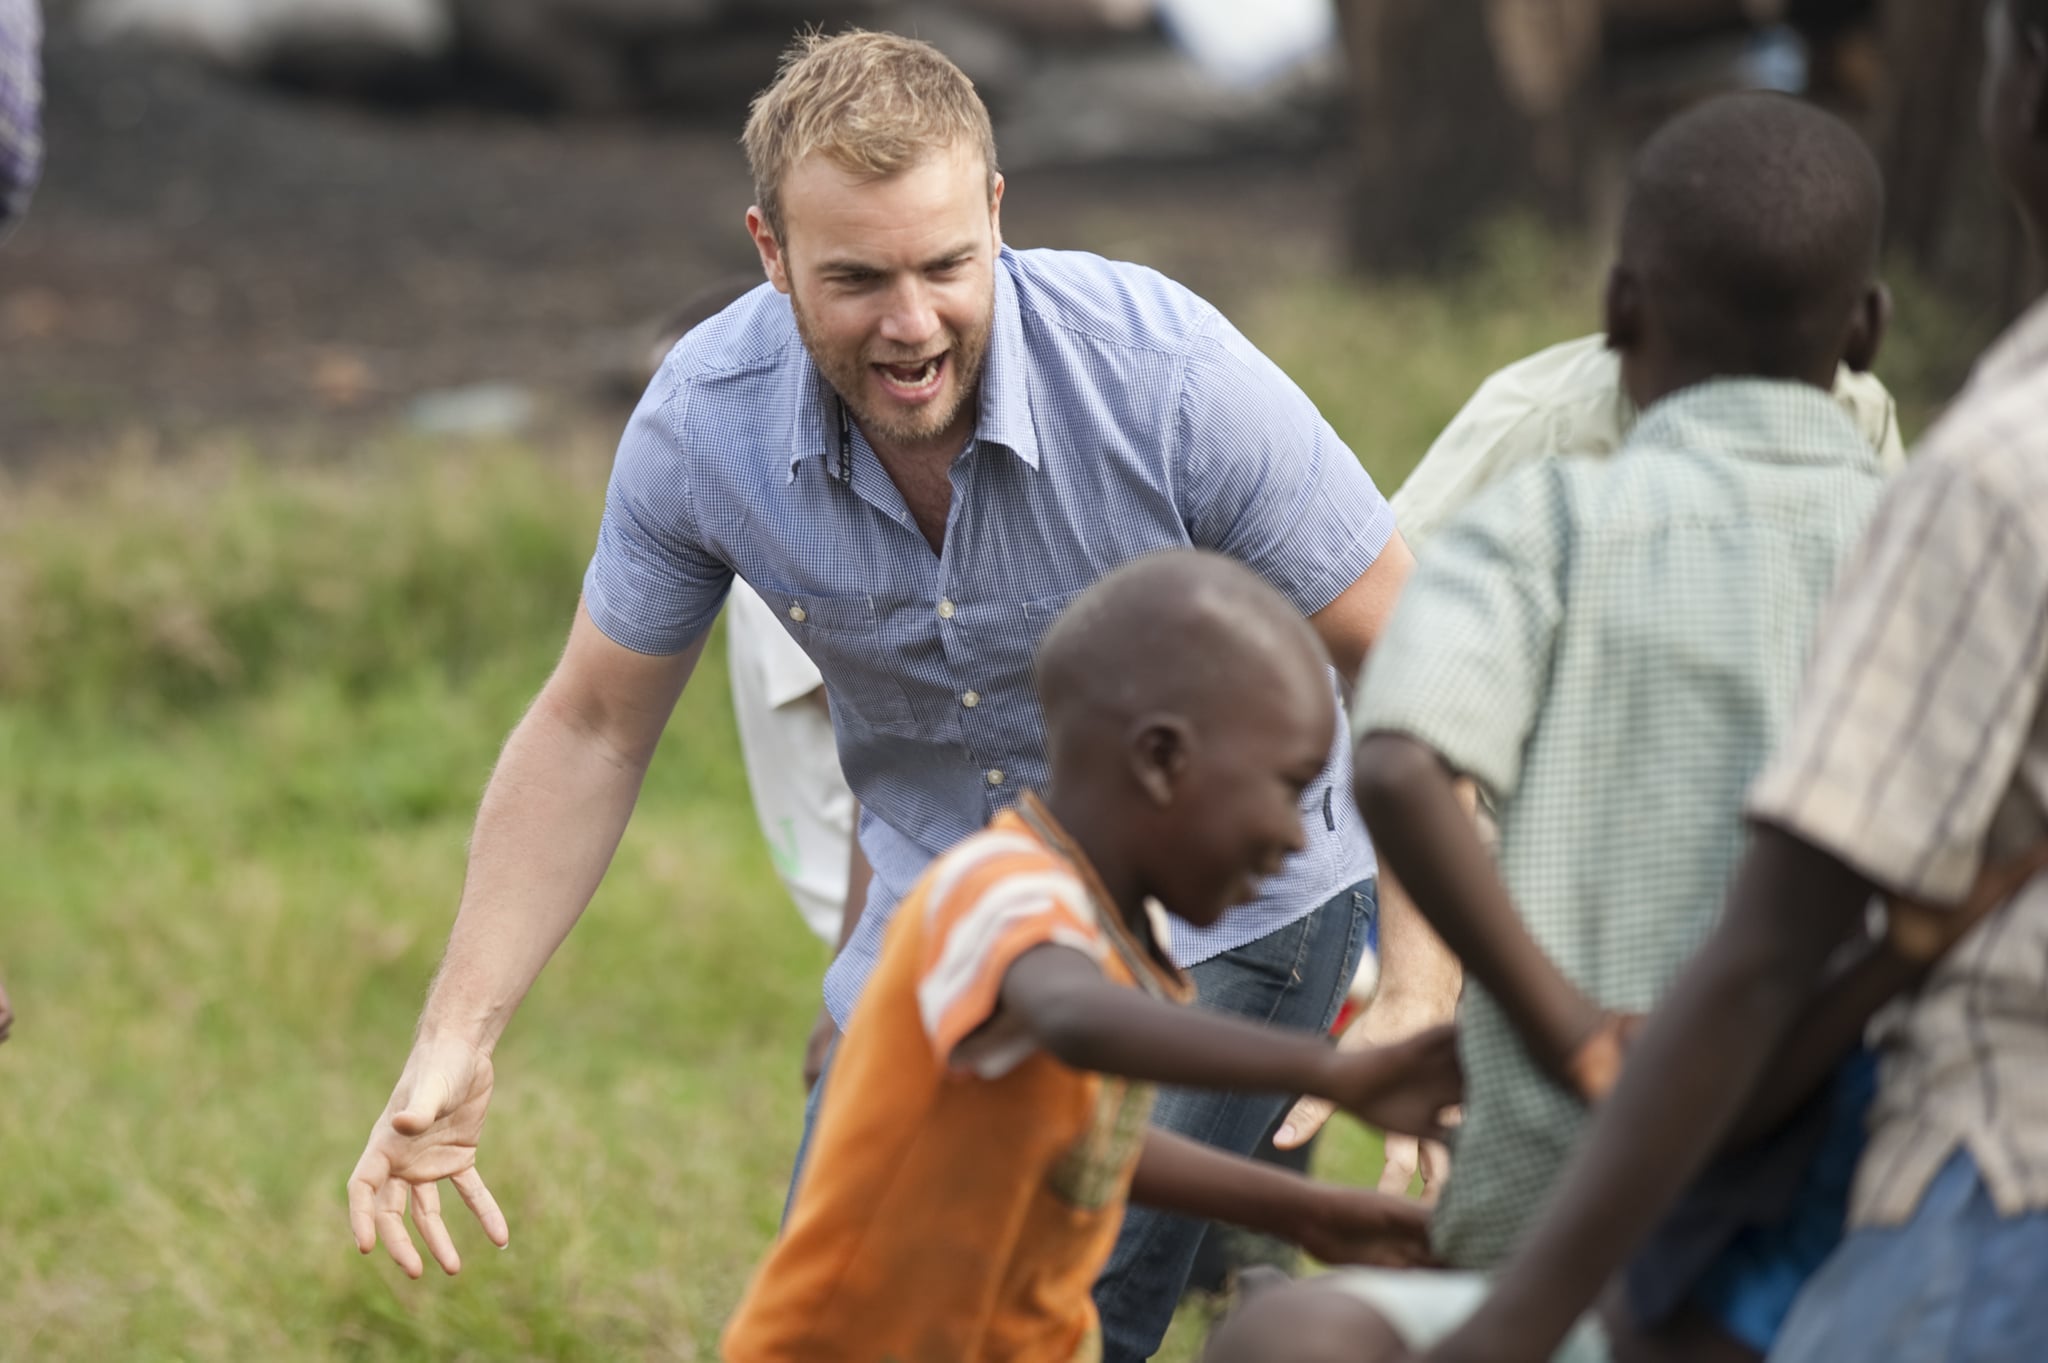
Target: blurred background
313	348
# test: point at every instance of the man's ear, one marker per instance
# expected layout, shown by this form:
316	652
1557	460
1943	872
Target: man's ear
995	210
1623	308
773	263
1159	749
1868	327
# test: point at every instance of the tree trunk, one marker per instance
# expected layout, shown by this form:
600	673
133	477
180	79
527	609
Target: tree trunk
1442	141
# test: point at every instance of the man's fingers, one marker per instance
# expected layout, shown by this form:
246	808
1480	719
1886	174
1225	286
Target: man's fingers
1403	1153
470	1184
362	1208
390	1218
426	1215
1303	1121
429	1098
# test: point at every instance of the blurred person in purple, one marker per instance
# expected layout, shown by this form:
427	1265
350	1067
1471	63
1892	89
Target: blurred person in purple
21	104
21	157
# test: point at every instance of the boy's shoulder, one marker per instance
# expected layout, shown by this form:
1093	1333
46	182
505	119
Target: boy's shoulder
1996	433
1006	855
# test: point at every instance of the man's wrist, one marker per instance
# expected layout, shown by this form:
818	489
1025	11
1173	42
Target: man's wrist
442	1032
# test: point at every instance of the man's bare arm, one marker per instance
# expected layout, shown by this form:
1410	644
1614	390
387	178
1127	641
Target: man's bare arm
550	820
1350	625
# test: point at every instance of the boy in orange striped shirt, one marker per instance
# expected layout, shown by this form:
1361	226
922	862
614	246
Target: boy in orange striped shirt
986	1115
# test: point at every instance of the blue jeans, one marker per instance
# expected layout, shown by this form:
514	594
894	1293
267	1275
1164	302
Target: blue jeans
1295	977
1956	1284
803	1144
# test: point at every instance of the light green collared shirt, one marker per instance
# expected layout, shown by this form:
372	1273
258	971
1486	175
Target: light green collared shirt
1610	648
1568	399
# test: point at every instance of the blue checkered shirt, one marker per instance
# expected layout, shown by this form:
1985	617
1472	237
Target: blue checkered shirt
1119	414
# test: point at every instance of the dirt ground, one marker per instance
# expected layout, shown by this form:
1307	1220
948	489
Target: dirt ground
207	253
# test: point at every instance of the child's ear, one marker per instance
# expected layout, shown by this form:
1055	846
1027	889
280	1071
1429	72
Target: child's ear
1624	309
1159	756
1867	329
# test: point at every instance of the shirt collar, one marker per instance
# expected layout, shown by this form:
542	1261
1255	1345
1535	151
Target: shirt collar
1773	420
1145	953
1004	415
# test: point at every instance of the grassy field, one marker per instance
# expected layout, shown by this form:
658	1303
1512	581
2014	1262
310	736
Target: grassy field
246	704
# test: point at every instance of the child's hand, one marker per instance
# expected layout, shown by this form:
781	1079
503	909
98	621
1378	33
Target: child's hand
1406	1087
1924	933
1358	1226
1595	1067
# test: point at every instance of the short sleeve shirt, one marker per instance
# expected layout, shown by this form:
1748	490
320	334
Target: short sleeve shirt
1568	400
1920	755
800	795
1119	414
964	1188
1611	648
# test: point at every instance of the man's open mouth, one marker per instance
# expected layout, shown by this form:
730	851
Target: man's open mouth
911	382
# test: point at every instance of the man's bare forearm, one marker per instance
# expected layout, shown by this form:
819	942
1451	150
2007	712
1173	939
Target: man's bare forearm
550	820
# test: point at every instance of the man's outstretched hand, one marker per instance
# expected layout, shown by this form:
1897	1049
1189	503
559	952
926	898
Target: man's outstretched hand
1384	1023
1411	1087
427	1132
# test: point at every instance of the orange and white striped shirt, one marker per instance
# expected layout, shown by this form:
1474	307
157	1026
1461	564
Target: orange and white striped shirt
963	1188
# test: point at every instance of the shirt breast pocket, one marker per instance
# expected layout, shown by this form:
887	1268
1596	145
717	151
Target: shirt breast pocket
846	637
1002	636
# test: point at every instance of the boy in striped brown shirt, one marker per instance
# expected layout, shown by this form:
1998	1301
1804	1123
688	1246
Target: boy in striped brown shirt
985	1121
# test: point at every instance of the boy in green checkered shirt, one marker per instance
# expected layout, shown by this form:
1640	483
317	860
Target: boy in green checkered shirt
1609	650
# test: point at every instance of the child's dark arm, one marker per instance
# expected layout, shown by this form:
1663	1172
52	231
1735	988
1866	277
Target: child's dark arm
1336	1225
1700	1055
1062	1000
1410	802
1865	977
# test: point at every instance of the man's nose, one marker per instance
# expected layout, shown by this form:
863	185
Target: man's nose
910	320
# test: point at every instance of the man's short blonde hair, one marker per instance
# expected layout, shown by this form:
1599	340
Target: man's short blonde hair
876	103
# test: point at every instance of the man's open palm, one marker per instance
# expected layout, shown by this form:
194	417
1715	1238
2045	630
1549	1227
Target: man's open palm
427	1132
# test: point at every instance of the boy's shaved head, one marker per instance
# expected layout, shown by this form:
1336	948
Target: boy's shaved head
1754	225
1304	1322
1188	712
1186	632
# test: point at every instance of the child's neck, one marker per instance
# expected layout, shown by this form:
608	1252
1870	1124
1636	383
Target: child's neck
1097	833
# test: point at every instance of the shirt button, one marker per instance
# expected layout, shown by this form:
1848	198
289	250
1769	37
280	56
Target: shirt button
970	699
995	776
796	613
945	608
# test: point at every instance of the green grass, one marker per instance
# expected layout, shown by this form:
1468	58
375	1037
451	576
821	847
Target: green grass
246	706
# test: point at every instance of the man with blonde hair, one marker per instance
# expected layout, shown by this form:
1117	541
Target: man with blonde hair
917	444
